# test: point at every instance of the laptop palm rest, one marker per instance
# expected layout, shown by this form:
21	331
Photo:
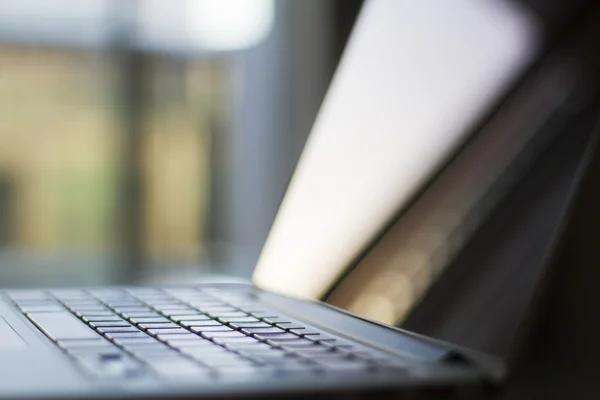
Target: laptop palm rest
9	338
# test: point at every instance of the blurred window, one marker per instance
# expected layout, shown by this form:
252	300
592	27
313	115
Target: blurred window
107	116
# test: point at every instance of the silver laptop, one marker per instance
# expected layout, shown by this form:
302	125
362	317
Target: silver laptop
432	106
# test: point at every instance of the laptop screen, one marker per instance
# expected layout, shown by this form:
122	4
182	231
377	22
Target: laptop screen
415	79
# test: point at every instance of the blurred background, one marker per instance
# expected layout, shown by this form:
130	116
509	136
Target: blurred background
153	139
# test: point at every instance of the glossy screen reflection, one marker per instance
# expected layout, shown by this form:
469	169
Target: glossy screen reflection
413	80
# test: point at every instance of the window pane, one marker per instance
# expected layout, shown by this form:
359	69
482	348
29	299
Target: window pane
57	149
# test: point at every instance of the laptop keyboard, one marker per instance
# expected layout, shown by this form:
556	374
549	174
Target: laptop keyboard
188	333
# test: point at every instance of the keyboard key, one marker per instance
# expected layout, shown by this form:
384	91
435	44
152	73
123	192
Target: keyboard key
102	353
180	369
197	324
225	360
126	302
277	320
171	307
216	307
190	343
291	326
228	314
49	307
35	303
144	314
271	356
190	314
232	334
303	332
111	367
160	300
220	328
210	350
271	330
321	337
179	336
142	344
217	310
187	324
301	344
147	351
216	358
211	355
168	331
100	319
137	340
114	327
239	325
292	365
131	311
149	320
92	350
111	324
62	326
236	371
96	342
83	302
236	341
290	343
190	318
204	303
259	349
177	313
238	320
278	337
87	307
95	314
151	353
265	314
123	335
253	344
315	352
157	326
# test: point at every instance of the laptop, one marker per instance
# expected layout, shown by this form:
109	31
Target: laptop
436	110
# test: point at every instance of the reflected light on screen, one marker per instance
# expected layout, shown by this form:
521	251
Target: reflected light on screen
228	24
385	298
414	77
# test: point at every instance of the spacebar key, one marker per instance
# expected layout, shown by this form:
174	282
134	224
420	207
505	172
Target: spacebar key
62	326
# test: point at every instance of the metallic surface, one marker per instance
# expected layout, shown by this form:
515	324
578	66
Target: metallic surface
43	371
